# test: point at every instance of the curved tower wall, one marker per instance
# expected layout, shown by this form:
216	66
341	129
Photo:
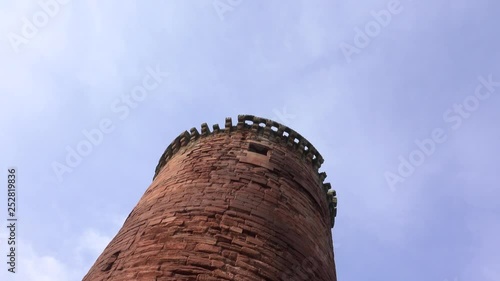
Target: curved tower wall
245	202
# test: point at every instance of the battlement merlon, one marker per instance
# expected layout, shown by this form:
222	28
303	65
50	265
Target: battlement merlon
266	128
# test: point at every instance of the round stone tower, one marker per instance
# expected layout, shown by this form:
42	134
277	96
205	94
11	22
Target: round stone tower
241	203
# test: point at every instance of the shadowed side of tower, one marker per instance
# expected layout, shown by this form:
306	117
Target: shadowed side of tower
241	203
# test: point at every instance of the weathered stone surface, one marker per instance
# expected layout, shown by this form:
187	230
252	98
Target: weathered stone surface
242	203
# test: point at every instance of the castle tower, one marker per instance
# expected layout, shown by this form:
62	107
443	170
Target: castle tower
241	203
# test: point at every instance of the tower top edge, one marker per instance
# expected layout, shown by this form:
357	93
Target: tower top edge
264	128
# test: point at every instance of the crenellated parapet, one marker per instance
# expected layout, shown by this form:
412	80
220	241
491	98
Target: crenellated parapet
266	128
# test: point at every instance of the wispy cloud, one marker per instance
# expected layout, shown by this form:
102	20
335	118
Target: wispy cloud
275	60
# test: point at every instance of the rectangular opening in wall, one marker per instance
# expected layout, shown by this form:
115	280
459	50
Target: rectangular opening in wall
257	148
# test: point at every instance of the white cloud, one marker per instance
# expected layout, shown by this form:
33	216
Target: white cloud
33	266
352	114
91	243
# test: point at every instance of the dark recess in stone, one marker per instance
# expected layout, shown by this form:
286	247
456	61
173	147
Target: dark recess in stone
253	147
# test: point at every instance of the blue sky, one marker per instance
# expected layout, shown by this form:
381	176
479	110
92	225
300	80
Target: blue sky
365	110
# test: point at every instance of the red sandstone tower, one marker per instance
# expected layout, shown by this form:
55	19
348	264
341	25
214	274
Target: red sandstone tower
241	203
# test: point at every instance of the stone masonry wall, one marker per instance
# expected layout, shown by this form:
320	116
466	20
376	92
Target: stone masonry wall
241	203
